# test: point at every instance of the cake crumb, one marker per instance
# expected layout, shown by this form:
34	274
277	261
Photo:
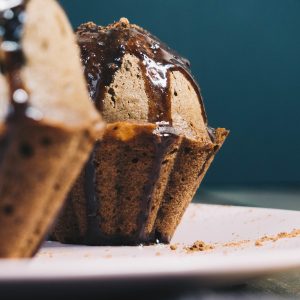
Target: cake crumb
173	247
279	236
199	246
236	244
258	244
124	21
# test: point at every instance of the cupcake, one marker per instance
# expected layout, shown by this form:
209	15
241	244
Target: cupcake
156	148
47	123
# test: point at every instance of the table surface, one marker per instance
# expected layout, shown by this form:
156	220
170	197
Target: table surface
281	286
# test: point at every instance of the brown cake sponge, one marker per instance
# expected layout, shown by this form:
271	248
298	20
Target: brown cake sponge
136	186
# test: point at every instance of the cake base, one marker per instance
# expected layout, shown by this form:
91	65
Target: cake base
136	186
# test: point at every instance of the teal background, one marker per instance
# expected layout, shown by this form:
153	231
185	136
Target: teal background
246	56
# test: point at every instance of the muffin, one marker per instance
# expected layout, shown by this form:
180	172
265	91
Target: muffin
156	148
47	123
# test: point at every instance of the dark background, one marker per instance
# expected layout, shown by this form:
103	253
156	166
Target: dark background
246	56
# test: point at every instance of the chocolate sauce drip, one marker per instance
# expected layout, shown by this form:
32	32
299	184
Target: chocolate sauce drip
12	18
164	139
92	204
102	52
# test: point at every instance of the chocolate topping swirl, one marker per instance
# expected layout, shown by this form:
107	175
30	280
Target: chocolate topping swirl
102	52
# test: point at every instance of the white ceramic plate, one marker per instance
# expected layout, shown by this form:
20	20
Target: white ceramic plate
231	231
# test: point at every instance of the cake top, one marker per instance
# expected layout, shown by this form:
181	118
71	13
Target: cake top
41	75
104	50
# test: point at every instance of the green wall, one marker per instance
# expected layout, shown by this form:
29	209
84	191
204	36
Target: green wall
246	57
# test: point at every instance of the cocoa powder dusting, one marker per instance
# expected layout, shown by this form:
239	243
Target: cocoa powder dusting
199	246
102	52
202	246
279	236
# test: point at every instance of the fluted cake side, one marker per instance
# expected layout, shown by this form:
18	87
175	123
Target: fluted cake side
136	186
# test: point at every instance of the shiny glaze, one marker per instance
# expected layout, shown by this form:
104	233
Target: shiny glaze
12	59
163	139
102	52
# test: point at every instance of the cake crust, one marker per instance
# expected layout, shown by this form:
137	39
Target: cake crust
136	186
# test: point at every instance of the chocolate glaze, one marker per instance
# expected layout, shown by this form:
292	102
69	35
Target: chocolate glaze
162	138
102	52
12	59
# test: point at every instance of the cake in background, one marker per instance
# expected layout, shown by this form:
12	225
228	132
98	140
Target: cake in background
47	123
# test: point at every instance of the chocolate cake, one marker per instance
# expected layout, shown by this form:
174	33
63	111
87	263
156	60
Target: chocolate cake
47	124
156	148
